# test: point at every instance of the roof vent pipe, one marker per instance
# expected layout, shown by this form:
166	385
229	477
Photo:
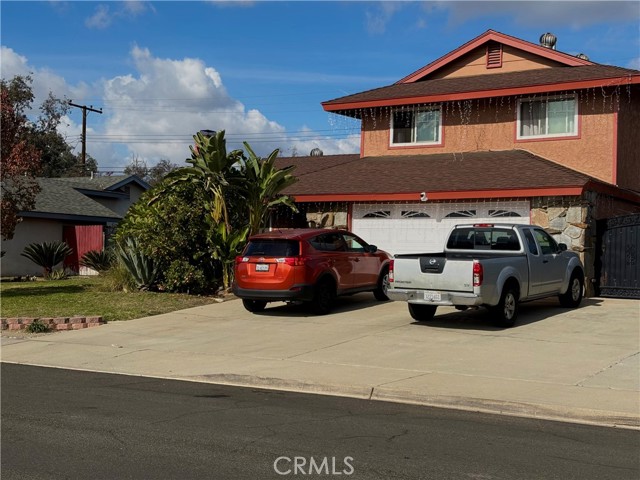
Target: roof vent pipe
548	40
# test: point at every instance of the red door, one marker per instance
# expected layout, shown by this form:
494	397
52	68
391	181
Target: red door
81	238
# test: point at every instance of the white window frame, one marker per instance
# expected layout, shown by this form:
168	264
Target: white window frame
574	133
438	141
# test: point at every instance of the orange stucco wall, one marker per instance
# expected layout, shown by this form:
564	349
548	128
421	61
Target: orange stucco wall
480	125
628	148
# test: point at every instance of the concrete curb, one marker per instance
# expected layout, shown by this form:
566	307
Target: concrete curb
523	410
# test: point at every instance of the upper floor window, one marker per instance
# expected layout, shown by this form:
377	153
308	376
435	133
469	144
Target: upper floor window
420	126
553	117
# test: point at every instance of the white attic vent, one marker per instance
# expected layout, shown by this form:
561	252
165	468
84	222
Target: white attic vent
494	55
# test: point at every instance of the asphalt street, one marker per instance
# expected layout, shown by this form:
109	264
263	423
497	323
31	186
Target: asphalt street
65	424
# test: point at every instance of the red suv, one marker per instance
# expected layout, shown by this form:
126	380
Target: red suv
309	265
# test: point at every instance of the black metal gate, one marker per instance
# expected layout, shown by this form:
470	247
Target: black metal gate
619	247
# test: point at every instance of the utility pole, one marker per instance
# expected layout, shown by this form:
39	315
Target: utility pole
85	109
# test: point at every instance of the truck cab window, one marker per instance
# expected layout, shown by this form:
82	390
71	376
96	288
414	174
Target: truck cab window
547	244
533	249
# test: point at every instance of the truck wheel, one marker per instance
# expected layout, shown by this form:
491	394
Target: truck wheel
422	313
383	285
506	312
254	305
323	297
573	296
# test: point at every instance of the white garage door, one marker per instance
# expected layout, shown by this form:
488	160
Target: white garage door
421	228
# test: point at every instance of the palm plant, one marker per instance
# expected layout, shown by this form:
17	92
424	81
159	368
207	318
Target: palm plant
47	254
98	260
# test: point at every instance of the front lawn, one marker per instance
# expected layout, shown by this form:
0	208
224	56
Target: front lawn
81	296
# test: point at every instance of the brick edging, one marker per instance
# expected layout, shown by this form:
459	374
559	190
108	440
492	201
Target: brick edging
54	323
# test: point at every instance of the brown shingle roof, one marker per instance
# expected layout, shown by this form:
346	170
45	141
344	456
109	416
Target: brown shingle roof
461	172
482	83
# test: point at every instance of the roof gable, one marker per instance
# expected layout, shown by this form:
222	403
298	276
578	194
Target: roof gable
532	56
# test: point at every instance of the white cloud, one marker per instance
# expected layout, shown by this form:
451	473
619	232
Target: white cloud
380	14
635	64
100	19
44	80
103	16
153	112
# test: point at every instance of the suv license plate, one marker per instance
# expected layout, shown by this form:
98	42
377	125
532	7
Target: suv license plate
432	296
262	267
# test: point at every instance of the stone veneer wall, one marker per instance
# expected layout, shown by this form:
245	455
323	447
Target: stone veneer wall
332	215
570	220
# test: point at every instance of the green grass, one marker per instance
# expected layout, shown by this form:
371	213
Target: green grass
78	296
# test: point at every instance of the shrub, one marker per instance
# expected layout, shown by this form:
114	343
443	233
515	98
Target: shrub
37	327
118	279
47	254
182	277
60	274
98	260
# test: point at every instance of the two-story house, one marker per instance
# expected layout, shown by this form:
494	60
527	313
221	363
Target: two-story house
498	130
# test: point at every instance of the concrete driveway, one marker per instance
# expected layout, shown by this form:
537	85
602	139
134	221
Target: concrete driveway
578	365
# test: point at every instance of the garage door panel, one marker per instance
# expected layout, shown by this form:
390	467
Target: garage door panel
404	230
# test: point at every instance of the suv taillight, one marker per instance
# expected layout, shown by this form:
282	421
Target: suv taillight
478	273
391	271
240	259
294	261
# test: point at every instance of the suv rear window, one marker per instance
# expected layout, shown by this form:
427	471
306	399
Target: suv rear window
272	248
483	239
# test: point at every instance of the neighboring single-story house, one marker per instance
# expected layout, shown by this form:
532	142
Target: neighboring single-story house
78	210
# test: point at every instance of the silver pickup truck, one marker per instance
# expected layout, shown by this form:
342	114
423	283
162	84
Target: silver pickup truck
494	266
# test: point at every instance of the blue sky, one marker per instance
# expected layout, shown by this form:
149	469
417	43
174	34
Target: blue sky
161	71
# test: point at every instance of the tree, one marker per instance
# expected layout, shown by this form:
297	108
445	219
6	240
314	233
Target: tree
151	175
20	159
58	159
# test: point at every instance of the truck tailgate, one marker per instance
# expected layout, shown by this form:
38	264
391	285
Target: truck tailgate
434	273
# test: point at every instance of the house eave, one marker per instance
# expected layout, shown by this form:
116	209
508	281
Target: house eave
70	218
342	108
576	190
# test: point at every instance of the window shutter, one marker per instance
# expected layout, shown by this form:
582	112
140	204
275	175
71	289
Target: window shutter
494	55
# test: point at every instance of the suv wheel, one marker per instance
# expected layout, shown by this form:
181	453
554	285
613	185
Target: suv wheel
383	286
323	297
254	305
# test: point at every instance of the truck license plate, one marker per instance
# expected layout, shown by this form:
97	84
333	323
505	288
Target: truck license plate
262	267
432	296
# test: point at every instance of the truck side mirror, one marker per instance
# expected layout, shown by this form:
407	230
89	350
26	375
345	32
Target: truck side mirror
372	249
562	247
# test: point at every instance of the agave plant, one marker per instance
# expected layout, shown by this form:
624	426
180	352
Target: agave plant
98	260
141	267
47	254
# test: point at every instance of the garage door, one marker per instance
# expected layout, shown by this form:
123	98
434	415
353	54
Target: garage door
421	228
